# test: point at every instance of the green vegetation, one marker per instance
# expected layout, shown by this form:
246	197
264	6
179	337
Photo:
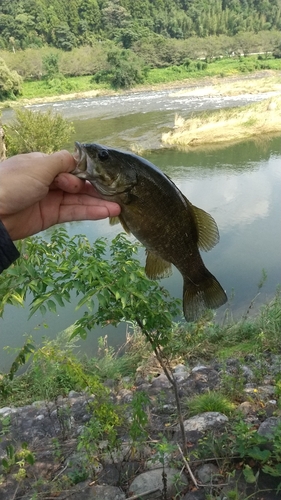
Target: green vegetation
125	70
210	401
104	80
119	43
67	24
36	131
10	82
115	289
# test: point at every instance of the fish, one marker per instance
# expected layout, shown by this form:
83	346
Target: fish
158	214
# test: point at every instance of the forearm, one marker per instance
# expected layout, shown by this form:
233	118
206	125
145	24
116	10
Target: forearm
8	251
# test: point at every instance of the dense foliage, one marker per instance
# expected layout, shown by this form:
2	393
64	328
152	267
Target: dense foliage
66	24
36	131
10	82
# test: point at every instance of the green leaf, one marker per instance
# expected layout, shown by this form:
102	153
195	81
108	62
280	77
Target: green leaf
10	450
5	463
30	458
261	455
249	475
102	300
17	298
52	306
59	299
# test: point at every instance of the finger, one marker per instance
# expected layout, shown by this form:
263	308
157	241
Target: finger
70	213
91	201
61	161
72	184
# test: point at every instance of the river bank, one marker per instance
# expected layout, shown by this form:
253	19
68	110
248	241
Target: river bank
117	437
254	83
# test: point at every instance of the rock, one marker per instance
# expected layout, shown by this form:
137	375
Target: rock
125	395
180	368
198	368
200	380
181	376
195	495
246	408
160	382
269	426
6	410
110	475
152	480
207	472
73	394
204	421
98	492
247	372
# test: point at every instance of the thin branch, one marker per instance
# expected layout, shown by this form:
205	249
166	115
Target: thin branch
188	467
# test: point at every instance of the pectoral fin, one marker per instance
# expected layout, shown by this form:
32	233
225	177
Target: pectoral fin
116	220
156	267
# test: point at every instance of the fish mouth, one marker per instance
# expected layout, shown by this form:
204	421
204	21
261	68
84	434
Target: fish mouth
82	168
85	169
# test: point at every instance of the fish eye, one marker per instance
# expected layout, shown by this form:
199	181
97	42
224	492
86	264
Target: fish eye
103	155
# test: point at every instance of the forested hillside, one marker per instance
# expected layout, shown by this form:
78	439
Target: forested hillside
66	24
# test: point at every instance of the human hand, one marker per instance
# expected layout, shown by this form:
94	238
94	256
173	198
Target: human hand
37	191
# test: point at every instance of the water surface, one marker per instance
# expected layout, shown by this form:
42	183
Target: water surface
239	186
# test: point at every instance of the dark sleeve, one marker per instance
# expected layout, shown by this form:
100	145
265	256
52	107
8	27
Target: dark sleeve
8	251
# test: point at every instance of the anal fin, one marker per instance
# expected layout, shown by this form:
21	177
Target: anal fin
156	267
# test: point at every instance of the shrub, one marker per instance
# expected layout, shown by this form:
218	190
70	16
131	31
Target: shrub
10	82
124	69
37	131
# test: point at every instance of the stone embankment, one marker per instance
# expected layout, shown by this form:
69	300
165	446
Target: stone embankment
52	430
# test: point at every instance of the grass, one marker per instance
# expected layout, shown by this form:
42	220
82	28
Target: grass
82	86
67	85
210	401
56	364
217	68
222	126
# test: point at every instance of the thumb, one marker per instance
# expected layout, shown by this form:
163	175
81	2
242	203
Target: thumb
61	161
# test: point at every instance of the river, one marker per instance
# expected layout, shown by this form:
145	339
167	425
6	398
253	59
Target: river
239	185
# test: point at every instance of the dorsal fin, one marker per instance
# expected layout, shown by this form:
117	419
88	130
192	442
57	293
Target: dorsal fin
208	233
207	229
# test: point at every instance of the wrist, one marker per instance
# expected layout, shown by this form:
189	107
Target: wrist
8	252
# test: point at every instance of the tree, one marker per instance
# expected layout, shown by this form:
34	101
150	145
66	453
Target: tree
114	290
10	82
51	65
64	38
124	69
277	52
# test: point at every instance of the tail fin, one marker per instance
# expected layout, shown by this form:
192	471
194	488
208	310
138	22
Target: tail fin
208	294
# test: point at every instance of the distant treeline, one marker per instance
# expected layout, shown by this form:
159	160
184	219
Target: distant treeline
66	24
156	52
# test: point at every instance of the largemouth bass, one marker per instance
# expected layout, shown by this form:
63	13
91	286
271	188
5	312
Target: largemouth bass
155	211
